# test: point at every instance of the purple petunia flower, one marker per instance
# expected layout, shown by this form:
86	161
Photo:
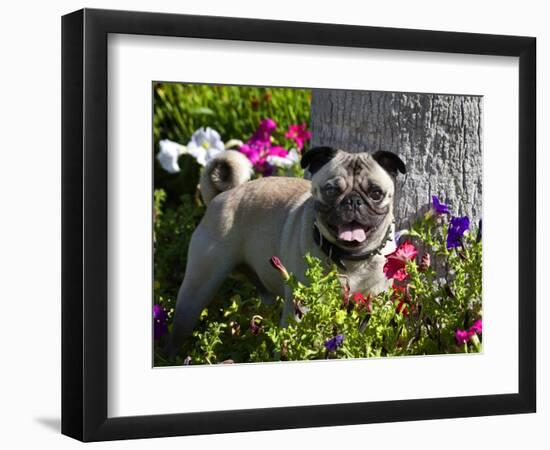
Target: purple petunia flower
457	228
159	320
438	207
333	344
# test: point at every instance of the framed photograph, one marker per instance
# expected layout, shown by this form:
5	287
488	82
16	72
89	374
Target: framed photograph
273	224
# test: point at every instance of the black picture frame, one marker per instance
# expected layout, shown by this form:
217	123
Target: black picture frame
84	224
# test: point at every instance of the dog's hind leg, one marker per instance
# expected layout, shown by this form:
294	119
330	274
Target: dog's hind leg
267	298
208	264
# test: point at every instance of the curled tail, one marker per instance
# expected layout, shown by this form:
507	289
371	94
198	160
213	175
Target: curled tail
224	172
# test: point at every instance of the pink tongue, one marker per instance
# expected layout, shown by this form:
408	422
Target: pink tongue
351	232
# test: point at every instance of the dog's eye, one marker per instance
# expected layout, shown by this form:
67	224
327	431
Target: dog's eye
376	194
331	190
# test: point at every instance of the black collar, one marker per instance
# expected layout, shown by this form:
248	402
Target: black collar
337	254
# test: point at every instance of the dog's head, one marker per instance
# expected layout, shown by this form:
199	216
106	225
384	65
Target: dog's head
353	194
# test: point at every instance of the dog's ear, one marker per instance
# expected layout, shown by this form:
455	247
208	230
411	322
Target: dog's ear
390	162
317	157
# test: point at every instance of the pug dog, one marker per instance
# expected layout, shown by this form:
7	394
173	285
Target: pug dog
342	215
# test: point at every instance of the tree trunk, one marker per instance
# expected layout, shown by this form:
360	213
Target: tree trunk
439	137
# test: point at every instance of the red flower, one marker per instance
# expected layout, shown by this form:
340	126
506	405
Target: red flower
396	262
402	308
359	298
361	301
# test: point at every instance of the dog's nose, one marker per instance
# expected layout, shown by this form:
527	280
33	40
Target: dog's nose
353	200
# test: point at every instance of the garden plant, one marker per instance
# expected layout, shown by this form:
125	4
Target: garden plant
432	307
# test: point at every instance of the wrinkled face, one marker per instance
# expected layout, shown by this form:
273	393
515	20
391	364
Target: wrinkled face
353	197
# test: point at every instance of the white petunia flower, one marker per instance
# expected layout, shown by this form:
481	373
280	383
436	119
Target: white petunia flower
168	155
205	144
285	162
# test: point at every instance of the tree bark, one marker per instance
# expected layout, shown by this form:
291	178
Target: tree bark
439	137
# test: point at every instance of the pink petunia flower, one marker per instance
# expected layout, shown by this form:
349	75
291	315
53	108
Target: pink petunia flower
276	151
396	262
258	148
477	327
463	336
252	152
264	131
298	134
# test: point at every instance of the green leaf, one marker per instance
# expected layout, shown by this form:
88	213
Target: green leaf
201	110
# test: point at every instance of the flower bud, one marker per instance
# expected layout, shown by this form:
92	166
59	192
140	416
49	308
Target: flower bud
284	351
235	328
425	262
369	305
429	214
299	309
276	262
346	291
255	327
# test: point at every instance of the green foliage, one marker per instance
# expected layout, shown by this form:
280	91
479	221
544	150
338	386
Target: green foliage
449	291
239	328
417	316
173	228
234	111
